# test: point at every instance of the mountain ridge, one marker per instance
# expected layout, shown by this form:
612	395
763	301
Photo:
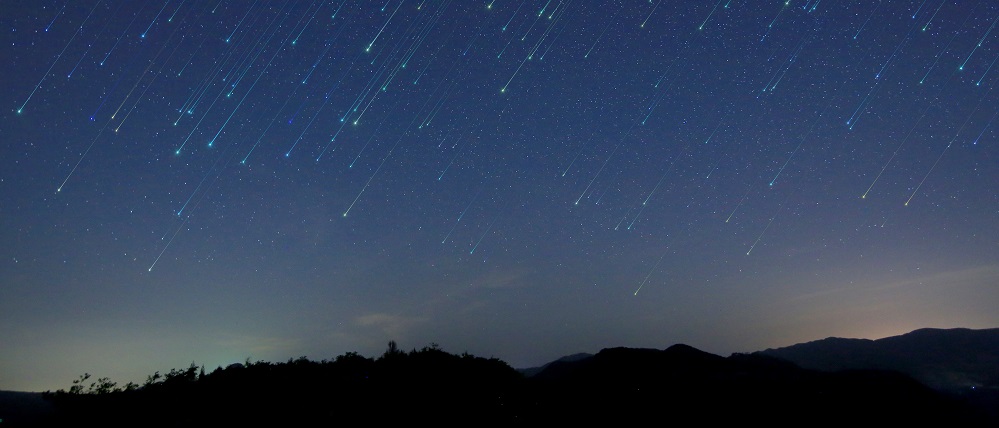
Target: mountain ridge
945	359
616	384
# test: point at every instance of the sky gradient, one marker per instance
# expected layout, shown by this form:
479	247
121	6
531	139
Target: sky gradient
212	181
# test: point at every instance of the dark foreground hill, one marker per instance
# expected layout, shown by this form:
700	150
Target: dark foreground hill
18	407
947	359
620	385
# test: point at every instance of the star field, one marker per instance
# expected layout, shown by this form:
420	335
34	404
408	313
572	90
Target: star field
217	180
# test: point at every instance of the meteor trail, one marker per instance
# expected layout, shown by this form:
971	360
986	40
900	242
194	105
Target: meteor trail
143	35
804	137
460	216
654	267
483	236
868	19
609	24
739	204
650	14
368	49
916	190
902	144
83	156
581	148
172	237
47	27
979	44
699	27
380	165
944	151
56	60
934	15
758	238
597	174
979	82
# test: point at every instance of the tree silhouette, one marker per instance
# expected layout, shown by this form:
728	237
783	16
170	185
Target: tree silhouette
392	348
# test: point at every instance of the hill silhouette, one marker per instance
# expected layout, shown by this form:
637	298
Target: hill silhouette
947	359
531	371
685	384
680	384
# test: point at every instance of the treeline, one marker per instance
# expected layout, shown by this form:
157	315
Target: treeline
677	385
421	384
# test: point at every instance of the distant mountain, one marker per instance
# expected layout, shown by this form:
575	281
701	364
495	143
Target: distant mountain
945	359
531	371
617	362
682	383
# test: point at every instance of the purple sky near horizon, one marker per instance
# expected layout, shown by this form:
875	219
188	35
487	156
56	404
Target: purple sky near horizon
212	181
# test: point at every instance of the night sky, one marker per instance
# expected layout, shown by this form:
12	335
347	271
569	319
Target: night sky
211	181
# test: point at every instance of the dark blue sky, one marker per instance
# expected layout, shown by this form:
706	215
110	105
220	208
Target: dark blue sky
221	180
